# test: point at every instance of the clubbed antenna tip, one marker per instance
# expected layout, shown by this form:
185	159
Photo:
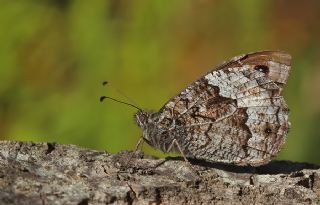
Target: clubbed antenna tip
102	98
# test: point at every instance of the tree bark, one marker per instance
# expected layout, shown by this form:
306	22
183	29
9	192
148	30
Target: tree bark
48	173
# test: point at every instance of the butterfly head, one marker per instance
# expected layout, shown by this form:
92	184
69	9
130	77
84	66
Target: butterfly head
152	131
145	121
143	118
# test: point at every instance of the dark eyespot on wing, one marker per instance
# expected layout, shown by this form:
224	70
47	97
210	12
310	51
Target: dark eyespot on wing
268	130
262	68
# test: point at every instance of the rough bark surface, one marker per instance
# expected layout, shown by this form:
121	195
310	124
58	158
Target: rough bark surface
46	173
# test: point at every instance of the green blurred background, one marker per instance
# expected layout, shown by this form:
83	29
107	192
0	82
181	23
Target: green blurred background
54	54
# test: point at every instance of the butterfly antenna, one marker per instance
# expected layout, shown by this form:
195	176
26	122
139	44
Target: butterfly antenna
102	98
104	83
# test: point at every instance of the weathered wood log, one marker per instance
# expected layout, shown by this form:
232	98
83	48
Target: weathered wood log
46	173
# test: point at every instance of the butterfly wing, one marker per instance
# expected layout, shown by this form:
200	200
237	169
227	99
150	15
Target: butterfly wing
235	113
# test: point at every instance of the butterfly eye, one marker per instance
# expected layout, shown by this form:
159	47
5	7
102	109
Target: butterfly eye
262	68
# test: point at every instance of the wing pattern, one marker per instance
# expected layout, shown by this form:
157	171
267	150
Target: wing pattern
233	114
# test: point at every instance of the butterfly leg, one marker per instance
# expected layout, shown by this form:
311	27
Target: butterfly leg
138	145
175	142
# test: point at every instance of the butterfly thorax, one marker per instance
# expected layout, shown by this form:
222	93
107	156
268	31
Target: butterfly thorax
155	133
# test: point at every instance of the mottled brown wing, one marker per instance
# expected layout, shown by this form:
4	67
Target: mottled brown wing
236	113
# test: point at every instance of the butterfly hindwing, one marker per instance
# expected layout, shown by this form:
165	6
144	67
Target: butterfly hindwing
235	113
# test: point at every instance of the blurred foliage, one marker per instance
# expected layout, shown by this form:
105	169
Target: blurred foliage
54	54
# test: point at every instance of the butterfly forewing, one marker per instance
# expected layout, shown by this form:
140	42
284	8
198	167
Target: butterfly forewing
233	114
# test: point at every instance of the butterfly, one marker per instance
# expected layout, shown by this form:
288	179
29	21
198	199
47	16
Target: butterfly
233	114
